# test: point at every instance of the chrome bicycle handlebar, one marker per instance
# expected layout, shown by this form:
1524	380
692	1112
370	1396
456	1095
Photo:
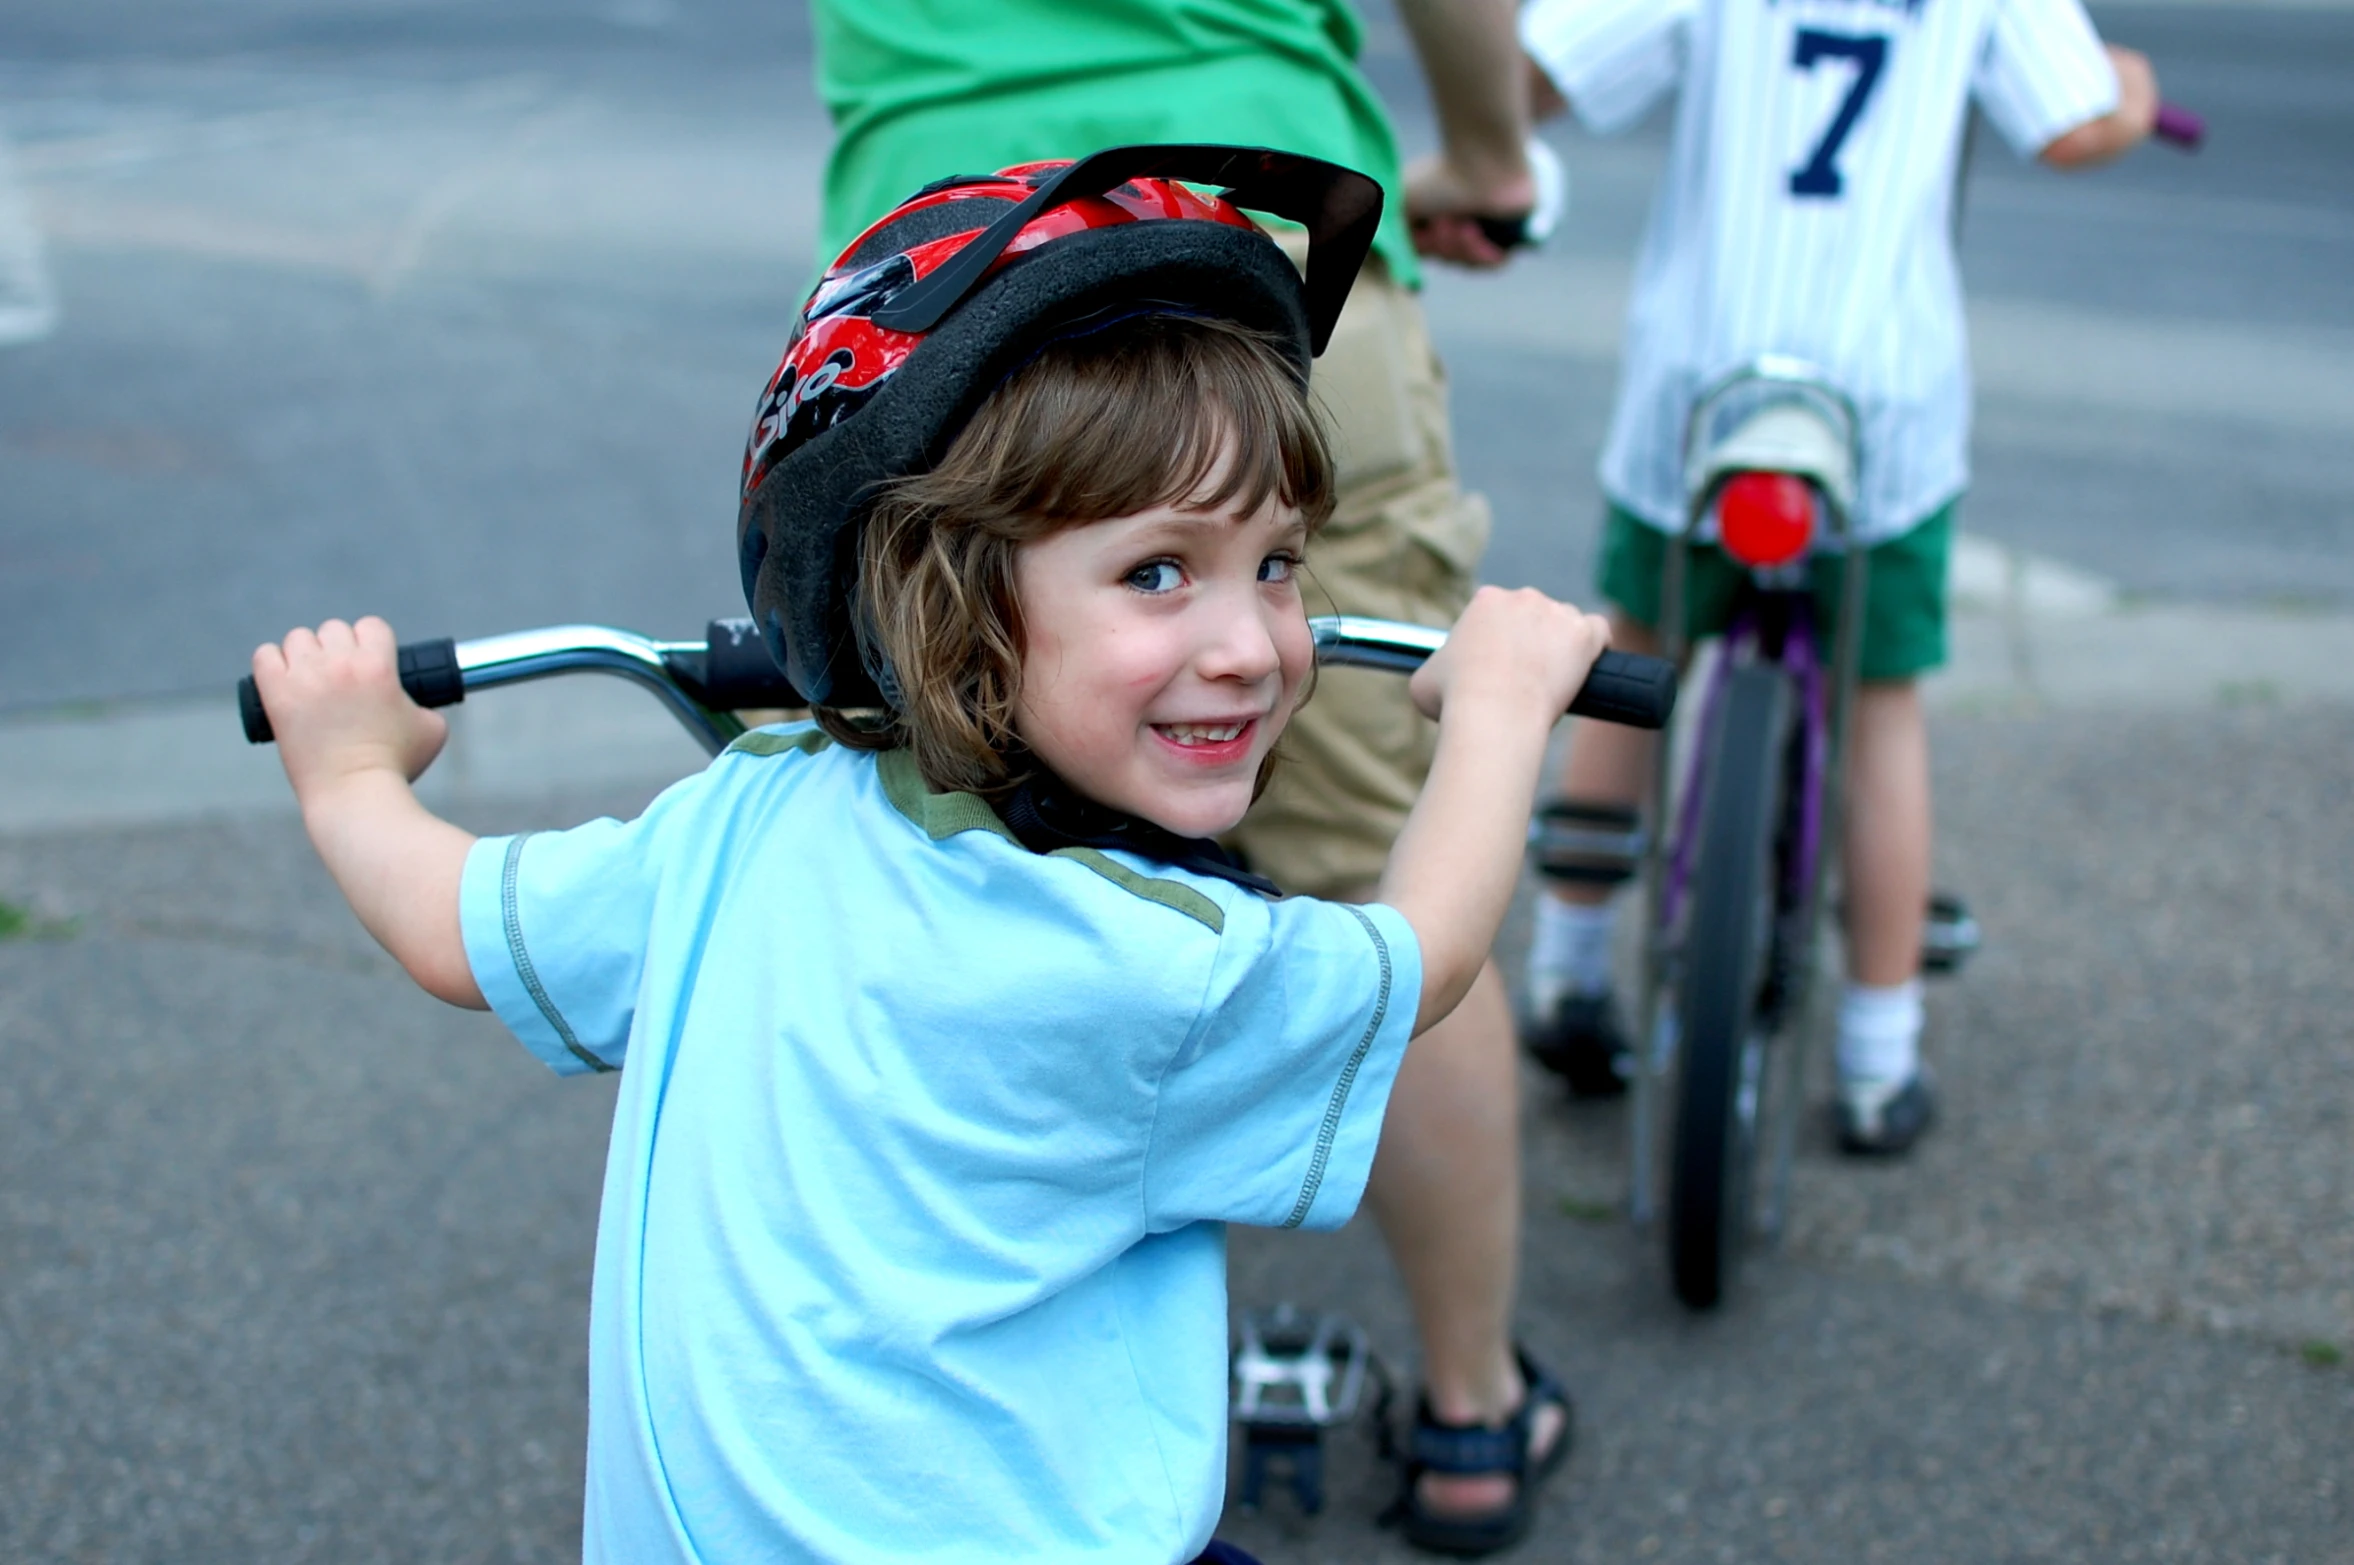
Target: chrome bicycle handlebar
704	683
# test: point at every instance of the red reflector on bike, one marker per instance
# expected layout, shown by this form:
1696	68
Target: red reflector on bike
1765	518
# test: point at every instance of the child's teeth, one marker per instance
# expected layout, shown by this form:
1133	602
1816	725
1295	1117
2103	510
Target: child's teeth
1203	733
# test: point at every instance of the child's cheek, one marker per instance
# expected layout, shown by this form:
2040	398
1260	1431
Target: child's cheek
1299	657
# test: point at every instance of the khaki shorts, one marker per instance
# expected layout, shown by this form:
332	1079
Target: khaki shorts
1404	543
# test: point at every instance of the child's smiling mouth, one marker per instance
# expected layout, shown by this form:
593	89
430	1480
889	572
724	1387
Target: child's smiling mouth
1210	744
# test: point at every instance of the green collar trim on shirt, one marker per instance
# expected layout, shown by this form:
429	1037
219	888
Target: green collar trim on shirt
941	815
1168	893
805	741
944	815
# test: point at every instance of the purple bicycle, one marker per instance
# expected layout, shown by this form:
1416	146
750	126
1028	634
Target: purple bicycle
1736	885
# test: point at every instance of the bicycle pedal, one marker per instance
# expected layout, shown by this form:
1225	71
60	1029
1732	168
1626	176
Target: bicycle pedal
1295	1375
1586	844
1298	1453
1950	937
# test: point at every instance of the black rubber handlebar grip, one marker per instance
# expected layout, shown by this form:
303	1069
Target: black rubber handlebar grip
1506	233
738	672
1629	688
429	673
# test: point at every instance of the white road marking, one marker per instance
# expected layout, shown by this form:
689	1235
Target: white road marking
447	195
28	298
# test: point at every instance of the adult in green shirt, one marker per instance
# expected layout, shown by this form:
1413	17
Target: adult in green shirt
923	89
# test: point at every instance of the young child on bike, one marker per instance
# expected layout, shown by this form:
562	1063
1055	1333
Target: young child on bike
948	1038
1806	211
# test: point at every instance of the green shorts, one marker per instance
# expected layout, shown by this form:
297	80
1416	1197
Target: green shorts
1904	596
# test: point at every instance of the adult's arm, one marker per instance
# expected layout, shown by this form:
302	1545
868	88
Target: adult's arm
1470	53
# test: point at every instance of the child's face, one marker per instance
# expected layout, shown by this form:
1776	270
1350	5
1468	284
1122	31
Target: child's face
1164	652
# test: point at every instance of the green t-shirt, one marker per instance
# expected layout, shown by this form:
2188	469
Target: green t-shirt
922	89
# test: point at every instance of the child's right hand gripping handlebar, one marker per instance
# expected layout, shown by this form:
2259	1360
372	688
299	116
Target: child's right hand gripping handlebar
1624	687
731	670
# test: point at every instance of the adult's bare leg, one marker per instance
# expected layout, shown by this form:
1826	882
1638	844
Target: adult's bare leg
1446	1191
1446	1182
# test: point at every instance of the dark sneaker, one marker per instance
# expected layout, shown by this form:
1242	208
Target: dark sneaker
1884	1119
1950	936
1580	1041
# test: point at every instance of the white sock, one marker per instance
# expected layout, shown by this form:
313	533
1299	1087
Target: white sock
1569	950
1880	1032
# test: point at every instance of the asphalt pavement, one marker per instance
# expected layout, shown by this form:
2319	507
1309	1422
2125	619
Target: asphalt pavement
457	313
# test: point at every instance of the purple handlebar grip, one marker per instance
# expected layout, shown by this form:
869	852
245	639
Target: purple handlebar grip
2180	126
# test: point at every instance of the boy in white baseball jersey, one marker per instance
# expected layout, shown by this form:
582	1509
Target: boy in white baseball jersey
1807	211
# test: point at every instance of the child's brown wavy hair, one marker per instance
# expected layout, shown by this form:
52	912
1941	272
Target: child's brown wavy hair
1125	417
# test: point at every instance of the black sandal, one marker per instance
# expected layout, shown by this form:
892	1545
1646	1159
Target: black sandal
1479	1450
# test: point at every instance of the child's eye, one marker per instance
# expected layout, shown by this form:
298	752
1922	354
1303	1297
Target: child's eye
1278	567
1156	576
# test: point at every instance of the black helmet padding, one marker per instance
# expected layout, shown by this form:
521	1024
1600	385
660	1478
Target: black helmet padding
1210	268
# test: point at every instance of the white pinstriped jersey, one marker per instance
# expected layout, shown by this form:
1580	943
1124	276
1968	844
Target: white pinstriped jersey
1807	206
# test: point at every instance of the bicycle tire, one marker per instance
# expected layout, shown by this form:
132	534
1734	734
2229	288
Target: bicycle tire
1727	953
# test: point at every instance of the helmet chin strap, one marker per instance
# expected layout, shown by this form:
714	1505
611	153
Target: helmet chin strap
1044	814
874	660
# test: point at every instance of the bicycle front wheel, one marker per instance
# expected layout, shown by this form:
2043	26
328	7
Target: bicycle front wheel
1721	990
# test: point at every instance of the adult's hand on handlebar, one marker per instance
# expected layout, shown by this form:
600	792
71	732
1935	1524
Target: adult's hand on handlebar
1515	647
335	700
1444	206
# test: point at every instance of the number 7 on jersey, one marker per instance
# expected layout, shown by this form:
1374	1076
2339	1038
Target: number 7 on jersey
1819	176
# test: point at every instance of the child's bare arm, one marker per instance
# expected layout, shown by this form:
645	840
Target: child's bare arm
352	742
1507	672
2121	129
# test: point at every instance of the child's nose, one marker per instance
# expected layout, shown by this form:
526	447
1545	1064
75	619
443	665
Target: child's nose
1238	644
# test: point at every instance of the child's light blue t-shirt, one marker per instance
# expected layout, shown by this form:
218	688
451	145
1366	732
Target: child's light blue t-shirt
911	1241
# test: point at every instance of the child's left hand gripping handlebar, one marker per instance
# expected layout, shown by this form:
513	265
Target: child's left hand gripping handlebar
730	669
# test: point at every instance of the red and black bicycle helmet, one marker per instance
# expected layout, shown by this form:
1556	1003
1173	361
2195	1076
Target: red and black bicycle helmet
932	307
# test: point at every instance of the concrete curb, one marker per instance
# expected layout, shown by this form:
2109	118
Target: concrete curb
142	764
2033	634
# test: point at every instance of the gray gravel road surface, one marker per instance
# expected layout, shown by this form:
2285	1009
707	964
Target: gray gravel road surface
294	1262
